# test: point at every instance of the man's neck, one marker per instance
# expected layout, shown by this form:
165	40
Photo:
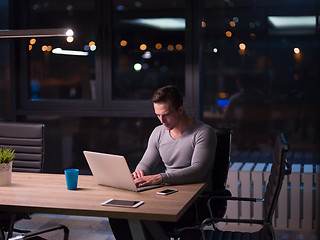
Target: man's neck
183	126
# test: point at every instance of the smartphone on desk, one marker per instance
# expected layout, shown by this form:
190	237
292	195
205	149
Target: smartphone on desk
167	191
122	203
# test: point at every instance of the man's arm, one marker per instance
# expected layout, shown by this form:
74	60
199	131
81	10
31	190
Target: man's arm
202	161
142	180
151	157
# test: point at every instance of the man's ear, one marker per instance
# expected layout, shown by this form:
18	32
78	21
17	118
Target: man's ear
181	109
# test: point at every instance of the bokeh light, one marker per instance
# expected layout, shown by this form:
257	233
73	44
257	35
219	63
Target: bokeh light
32	41
69	33
228	34
137	66
179	47
70	39
242	46
170	47
123	43
158	46
143	47
296	50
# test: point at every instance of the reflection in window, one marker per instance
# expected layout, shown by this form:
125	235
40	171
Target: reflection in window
62	67
148	48
274	52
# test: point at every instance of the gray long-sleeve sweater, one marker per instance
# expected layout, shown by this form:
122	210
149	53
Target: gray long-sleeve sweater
188	159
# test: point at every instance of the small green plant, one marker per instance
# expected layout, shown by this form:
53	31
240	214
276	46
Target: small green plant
6	155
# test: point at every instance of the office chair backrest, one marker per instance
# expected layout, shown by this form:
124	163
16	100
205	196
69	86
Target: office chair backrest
27	139
222	159
276	178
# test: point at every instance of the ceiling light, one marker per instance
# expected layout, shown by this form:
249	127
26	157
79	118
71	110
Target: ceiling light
281	22
69	52
22	33
160	23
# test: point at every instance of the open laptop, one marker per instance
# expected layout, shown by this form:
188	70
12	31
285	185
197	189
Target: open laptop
112	170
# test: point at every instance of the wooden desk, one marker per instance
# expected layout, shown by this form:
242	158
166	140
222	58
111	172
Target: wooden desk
47	193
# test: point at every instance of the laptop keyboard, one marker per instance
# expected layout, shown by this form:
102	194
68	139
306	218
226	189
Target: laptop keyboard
140	189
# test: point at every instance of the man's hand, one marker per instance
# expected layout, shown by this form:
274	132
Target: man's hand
138	174
141	180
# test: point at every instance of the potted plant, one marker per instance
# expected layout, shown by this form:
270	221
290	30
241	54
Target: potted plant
6	157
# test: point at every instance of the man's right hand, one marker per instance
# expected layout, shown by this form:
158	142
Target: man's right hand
138	174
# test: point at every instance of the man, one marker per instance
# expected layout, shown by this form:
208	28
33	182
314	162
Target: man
186	147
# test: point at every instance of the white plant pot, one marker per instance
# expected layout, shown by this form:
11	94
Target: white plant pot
5	173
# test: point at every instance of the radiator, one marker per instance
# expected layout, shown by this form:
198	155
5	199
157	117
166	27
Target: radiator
299	200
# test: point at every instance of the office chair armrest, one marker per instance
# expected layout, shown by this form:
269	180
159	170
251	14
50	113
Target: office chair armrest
232	199
212	221
35	233
231	220
217	193
237	198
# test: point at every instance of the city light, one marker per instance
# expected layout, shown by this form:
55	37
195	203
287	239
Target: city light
69	33
146	55
32	41
137	67
143	47
123	43
242	46
170	47
179	47
158	46
228	34
70	39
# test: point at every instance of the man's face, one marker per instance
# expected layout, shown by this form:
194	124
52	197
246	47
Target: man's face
167	114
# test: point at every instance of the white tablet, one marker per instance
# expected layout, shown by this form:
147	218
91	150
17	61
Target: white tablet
122	203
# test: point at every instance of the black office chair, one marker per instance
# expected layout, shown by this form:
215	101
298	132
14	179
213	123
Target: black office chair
220	172
27	139
279	169
35	234
219	178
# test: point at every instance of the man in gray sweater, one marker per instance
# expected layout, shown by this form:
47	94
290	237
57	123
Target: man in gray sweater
185	145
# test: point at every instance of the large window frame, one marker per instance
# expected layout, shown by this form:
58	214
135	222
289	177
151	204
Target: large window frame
103	105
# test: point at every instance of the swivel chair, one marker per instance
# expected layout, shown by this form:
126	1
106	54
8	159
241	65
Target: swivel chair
27	139
279	169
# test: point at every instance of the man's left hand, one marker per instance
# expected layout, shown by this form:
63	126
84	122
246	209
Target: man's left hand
148	180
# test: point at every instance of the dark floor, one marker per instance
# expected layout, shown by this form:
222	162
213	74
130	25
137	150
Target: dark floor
94	228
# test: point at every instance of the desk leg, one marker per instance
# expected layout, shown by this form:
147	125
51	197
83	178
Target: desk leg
156	230
136	229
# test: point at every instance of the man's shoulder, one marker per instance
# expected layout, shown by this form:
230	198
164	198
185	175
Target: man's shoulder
200	124
158	130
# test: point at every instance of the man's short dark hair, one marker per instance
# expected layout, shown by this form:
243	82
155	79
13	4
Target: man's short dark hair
168	93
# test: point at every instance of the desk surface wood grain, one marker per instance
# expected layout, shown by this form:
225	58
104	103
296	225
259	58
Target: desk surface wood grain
47	193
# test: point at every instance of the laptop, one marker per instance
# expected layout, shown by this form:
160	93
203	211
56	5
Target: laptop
113	171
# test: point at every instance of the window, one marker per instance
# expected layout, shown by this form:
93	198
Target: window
122	51
149	47
62	67
261	72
